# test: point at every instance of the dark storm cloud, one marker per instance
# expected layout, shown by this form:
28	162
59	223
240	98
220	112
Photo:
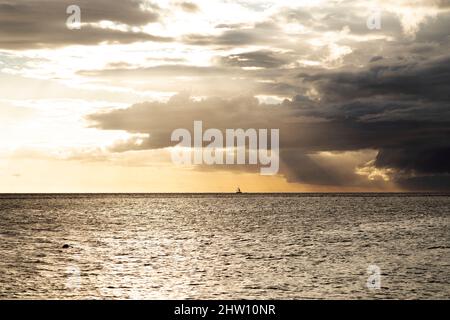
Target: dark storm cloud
402	110
42	23
425	183
399	109
301	137
421	158
298	166
419	79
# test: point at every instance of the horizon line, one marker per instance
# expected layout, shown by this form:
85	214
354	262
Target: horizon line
229	193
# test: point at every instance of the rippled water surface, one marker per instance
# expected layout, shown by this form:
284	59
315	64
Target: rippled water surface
223	246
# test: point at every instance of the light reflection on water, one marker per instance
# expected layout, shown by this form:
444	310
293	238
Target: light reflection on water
223	246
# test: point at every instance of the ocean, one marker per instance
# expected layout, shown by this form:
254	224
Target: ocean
224	246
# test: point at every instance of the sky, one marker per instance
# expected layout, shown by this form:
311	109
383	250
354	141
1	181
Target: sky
360	107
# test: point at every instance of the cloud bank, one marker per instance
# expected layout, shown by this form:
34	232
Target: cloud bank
398	110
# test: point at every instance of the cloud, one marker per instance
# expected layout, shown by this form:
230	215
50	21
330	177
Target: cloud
172	70
258	59
227	75
418	79
261	33
399	110
425	183
188	6
42	23
365	107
